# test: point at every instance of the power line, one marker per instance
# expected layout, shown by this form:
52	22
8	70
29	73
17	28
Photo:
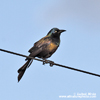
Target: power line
50	62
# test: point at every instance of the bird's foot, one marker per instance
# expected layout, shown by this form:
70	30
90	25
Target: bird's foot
51	63
48	61
44	62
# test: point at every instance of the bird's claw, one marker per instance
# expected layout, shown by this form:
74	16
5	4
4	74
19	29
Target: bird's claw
45	62
51	63
48	61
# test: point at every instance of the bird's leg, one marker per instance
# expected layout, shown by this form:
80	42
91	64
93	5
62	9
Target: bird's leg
48	61
51	63
44	61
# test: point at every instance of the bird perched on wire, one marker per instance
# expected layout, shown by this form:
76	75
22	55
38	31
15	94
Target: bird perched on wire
43	48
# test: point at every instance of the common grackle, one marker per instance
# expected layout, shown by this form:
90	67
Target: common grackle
43	48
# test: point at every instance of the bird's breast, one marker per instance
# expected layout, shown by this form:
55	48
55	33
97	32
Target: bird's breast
52	46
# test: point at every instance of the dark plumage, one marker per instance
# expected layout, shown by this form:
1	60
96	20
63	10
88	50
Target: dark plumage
43	48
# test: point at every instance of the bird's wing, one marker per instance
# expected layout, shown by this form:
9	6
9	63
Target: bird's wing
39	46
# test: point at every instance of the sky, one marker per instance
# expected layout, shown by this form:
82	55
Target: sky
23	22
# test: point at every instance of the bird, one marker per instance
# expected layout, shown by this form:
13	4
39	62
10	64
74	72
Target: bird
43	49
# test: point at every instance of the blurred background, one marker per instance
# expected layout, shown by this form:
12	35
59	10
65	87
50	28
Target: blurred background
23	22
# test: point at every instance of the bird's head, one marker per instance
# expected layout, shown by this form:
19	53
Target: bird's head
55	32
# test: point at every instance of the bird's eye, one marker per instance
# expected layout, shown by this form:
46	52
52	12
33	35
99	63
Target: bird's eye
55	31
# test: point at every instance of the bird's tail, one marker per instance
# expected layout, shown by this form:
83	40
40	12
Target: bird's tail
23	68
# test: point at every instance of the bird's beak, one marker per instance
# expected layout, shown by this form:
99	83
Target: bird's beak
62	31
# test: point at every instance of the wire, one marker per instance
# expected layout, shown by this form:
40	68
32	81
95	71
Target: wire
50	62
